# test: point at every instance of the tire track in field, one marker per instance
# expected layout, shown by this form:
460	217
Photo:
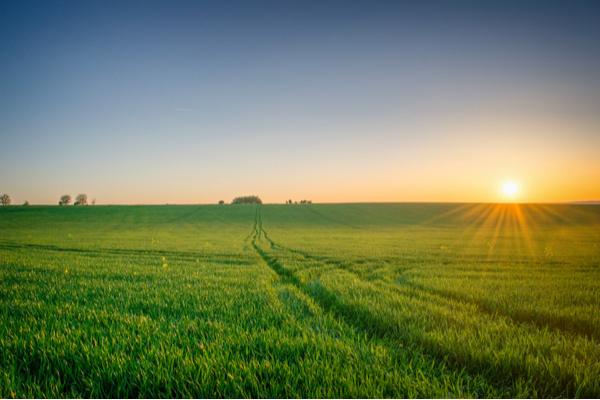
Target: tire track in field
327	301
254	228
286	278
328	304
364	320
350	315
560	325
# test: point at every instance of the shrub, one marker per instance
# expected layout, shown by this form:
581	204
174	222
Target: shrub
26	203
221	201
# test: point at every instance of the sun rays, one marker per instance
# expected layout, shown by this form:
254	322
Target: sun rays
505	227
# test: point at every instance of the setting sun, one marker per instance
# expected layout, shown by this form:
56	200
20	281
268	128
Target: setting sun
510	188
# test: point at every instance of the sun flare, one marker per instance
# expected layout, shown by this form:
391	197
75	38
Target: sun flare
510	188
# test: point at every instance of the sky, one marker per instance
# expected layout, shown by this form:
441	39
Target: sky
154	102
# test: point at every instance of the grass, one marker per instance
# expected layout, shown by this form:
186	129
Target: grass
347	300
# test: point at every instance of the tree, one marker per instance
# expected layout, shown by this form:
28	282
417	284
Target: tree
81	200
26	203
65	200
221	201
247	200
93	202
5	200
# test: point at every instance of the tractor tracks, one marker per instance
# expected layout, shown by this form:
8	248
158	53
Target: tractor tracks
371	323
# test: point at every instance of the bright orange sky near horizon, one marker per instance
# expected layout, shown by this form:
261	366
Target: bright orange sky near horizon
194	102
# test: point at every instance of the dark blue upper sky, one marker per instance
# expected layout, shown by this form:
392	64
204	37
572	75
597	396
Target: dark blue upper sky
152	102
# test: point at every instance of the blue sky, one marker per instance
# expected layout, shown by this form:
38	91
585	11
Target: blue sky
193	102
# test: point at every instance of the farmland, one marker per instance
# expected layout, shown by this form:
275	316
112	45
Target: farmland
312	300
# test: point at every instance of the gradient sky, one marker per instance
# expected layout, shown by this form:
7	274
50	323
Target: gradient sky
338	101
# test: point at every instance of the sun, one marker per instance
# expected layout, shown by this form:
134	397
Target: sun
510	188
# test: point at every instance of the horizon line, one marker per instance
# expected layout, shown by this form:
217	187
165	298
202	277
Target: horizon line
585	202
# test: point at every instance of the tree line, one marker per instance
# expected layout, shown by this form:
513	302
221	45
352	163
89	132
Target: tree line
65	200
82	200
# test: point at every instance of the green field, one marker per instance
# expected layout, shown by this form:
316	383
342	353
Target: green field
346	300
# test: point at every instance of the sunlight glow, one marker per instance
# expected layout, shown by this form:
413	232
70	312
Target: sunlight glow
510	188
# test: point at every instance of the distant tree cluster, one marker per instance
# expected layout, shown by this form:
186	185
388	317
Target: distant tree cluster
301	202
80	200
247	200
65	200
221	201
